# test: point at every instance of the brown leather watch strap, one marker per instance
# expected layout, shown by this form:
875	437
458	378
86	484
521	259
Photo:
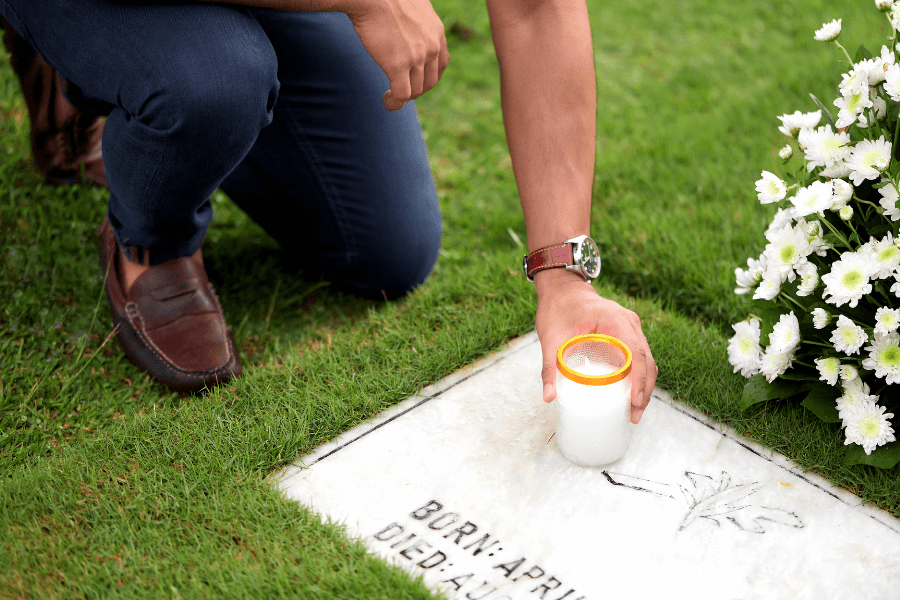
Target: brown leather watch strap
560	255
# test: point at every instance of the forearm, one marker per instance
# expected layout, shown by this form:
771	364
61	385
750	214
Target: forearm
549	102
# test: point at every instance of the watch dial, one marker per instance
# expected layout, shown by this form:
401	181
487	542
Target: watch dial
590	258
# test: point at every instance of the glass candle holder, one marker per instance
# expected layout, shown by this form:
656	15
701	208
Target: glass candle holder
593	399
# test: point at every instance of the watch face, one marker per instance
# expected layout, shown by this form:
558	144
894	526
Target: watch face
590	258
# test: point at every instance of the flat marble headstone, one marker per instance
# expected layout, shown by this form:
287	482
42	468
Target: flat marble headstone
463	485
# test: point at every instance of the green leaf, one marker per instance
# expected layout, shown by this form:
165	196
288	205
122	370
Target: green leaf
821	402
769	312
880	184
875	224
759	390
795	375
834	241
862	53
825	112
883	457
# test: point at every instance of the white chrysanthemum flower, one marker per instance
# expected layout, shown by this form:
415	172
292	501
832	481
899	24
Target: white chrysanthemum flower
884	5
846	213
771	188
809	279
880	66
895	288
868	159
792	124
829	369
838	170
787	250
849	278
851	108
887	320
886	255
895	17
774	364
782	218
884	357
888	201
786	153
892	82
879	106
857	80
848	373
815	198
843	192
869	426
823	147
769	286
816	242
821	318
746	280
814	229
856	393
848	336
785	336
744	351
829	31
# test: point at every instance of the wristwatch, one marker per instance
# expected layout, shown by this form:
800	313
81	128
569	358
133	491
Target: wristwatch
579	254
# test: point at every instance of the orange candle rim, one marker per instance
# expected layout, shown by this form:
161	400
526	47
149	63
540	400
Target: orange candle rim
577	377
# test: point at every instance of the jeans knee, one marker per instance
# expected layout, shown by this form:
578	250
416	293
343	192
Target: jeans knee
395	262
217	105
405	261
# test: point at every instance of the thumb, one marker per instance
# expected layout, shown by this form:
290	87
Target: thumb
548	374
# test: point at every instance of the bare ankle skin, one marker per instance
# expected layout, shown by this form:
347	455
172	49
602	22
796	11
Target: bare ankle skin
129	271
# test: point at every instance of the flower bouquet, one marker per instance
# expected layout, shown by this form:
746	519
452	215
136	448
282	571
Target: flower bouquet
823	328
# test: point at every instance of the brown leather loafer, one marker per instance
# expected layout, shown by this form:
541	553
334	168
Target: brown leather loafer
170	322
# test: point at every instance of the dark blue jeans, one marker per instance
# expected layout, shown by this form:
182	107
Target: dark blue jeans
281	110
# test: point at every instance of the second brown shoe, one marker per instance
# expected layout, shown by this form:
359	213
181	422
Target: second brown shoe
66	143
170	322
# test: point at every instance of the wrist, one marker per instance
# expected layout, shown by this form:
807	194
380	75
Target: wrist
552	278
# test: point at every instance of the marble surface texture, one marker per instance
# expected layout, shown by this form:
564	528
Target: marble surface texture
459	484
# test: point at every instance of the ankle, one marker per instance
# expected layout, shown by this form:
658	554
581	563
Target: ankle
129	271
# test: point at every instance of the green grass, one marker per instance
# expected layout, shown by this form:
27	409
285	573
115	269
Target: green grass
111	486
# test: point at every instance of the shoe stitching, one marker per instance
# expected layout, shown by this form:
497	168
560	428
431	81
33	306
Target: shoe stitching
132	312
167	363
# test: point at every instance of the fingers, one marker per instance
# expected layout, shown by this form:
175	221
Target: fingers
644	372
424	75
399	94
548	372
548	377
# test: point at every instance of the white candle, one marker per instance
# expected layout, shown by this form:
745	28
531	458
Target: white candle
594	420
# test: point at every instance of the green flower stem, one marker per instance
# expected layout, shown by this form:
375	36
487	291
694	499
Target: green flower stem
853	229
824	345
803	364
787	296
880	287
850	60
869	202
896	131
838	234
855	322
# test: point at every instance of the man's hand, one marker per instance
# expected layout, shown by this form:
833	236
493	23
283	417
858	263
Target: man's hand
569	306
406	38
